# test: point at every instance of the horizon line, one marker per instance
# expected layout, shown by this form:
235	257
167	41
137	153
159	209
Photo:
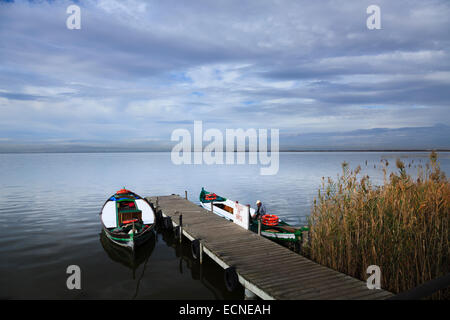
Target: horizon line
280	151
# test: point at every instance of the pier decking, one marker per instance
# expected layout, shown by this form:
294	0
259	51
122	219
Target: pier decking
264	267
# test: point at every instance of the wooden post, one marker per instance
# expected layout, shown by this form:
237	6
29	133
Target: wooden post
134	233
212	207
181	227
259	226
249	219
185	194
201	253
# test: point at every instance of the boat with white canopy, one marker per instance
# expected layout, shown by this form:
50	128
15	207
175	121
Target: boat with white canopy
128	220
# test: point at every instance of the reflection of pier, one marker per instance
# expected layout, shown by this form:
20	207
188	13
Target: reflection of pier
207	273
131	259
261	266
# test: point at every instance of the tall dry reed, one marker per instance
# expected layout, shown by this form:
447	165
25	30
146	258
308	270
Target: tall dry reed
402	226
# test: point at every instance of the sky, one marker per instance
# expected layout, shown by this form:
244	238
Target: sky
137	70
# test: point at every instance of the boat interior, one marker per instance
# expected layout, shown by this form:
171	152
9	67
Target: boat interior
224	207
127	211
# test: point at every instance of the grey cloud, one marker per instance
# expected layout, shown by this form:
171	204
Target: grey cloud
303	65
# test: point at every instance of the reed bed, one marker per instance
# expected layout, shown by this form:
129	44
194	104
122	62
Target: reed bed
402	226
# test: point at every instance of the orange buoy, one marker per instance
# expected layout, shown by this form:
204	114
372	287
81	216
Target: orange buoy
270	220
211	196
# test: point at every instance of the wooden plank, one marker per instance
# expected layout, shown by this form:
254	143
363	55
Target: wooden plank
215	233
336	289
217	244
257	271
201	225
233	240
339	292
263	259
252	247
239	242
262	278
208	225
290	261
204	224
378	295
294	283
355	293
271	265
303	278
211	234
321	286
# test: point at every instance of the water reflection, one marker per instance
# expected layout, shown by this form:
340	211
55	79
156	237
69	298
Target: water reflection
208	273
131	259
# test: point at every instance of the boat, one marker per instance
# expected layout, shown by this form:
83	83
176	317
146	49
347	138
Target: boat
272	227
128	220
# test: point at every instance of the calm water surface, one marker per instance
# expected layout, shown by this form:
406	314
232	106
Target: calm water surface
49	213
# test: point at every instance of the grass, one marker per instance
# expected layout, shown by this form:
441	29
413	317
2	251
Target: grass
402	226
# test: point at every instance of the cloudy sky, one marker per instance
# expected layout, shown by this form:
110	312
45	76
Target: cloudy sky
137	70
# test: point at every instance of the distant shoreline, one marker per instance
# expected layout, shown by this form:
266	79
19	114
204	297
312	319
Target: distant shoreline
281	151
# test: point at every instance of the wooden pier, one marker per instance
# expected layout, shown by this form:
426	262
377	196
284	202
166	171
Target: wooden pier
263	267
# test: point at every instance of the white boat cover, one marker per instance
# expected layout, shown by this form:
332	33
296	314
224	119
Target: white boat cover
109	218
147	213
109	214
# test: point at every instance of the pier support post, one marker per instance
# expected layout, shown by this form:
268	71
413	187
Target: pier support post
181	227
249	219
212	207
185	194
259	226
201	253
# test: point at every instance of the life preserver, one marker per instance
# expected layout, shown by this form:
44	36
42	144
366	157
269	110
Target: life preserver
231	278
177	233
195	248
167	221
211	196
270	220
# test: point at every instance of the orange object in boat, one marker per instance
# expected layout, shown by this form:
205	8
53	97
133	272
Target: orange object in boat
129	221
270	219
123	191
211	196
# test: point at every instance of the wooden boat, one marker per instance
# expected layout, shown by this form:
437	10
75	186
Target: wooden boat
272	226
128	220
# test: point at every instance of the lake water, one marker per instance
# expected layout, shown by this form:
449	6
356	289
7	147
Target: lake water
50	204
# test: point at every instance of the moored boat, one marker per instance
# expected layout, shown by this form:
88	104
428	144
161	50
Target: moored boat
272	227
128	219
